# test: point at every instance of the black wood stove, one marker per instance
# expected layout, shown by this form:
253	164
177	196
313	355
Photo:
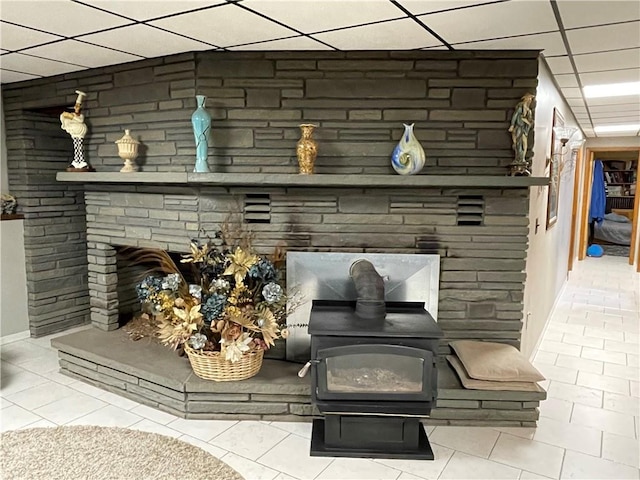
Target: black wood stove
374	375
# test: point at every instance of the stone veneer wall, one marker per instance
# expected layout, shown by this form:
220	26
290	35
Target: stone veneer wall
461	103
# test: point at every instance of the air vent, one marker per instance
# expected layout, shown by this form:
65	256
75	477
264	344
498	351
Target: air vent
470	210
257	208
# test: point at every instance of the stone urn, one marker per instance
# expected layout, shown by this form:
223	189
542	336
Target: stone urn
307	149
128	151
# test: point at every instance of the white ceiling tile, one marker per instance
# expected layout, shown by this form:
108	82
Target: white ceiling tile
549	43
600	39
571	92
147	9
575	102
36	66
59	16
611	76
314	16
225	26
492	21
566	80
623	119
8	76
13	37
156	42
381	36
595	62
420	7
588	12
619	101
614	108
80	53
559	65
294	43
617	134
3	51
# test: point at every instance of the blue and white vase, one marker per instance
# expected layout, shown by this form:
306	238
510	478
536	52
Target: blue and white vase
408	157
201	121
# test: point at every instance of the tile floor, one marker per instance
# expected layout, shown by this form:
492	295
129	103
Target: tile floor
589	425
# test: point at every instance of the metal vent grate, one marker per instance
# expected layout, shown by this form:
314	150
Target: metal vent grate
470	210
257	208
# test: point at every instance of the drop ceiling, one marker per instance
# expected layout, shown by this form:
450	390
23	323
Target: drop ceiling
584	42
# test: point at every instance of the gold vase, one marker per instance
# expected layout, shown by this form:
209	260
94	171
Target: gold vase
307	149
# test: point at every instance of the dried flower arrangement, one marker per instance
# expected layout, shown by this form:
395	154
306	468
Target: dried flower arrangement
236	304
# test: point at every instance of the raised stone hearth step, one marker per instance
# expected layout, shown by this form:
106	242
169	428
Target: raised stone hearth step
153	375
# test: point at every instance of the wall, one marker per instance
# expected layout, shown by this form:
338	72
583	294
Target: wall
461	103
548	248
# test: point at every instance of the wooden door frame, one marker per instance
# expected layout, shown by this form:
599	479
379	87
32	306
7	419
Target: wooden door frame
586	200
578	167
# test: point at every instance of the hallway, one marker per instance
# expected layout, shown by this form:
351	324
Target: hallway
588	428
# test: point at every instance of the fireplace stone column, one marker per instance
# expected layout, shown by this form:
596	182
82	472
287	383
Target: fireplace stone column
103	285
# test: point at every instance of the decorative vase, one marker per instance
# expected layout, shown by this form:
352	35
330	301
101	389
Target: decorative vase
408	157
128	151
201	121
307	149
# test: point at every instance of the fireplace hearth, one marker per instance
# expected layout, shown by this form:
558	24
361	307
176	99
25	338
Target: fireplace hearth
373	373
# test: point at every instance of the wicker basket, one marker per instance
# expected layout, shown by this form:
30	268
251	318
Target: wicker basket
213	366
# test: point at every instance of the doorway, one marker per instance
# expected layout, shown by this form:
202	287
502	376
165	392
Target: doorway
620	227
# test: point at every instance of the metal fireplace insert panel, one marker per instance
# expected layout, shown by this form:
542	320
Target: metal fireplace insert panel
325	276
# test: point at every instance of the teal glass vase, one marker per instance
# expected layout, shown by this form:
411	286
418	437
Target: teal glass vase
408	157
201	122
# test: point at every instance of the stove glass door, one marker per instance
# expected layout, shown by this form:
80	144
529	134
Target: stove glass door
379	372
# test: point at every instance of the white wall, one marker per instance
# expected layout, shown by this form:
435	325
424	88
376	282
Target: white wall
14	319
548	254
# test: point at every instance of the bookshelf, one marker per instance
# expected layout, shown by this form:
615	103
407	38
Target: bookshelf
620	177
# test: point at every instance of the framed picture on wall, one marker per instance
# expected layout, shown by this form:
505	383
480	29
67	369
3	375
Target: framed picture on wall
554	171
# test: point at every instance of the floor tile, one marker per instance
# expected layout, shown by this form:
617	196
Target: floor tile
634	388
284	476
620	449
583	340
358	469
40	395
559	347
553	336
605	420
61	378
249	439
622	371
476	441
67	409
604	383
545	357
42	423
408	476
581	364
147	425
302	429
556	409
613	346
249	469
118	400
16	382
203	430
154	414
422	468
207	447
561	374
22	351
43	364
463	467
603	333
575	393
585	467
566	328
291	456
522	432
621	403
109	416
532	476
15	417
4	403
527	455
629	338
633	360
570	436
604	355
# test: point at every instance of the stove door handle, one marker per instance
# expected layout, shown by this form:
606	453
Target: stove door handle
303	371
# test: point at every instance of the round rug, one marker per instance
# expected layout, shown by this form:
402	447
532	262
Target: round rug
101	453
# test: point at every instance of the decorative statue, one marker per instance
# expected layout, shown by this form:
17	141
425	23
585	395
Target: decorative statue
306	149
201	123
521	123
73	124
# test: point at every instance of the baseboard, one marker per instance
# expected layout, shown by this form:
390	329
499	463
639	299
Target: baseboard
548	320
14	337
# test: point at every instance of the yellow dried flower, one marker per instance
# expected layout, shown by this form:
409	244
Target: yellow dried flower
241	262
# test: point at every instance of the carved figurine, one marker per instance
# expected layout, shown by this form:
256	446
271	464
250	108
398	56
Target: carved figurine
521	124
73	124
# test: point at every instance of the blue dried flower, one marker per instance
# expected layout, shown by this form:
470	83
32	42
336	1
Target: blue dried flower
272	292
263	271
213	307
147	287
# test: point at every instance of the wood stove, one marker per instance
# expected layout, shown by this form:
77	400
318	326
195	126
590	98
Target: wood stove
374	375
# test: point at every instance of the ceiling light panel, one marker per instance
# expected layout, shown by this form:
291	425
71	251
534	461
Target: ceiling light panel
596	62
381	36
13	37
631	127
611	76
600	39
73	51
310	16
549	43
629	107
60	17
36	66
492	21
224	26
296	43
612	90
588	12
614	101
148	9
156	42
8	76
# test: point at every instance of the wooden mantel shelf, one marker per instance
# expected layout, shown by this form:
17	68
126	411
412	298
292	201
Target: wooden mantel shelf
296	180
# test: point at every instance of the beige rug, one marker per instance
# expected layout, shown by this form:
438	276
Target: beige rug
101	453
